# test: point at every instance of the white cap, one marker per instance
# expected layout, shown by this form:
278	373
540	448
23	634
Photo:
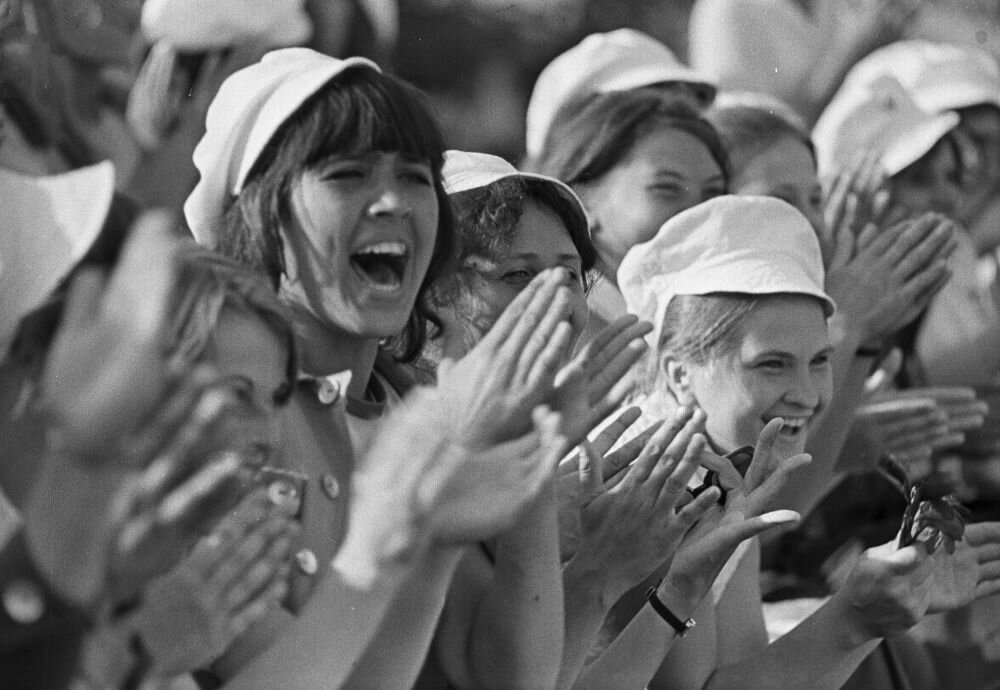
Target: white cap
195	25
938	76
248	109
465	170
881	119
742	244
619	60
48	224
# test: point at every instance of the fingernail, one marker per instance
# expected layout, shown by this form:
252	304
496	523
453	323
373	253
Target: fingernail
780	517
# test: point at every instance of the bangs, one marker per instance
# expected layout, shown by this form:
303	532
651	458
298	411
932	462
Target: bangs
368	112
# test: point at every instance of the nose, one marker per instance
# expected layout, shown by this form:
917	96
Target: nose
804	391
387	200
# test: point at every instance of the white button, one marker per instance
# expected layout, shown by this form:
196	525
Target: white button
331	487
24	602
306	560
329	391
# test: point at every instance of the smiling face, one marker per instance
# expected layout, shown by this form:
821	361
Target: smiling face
363	238
665	172
785	170
780	368
541	241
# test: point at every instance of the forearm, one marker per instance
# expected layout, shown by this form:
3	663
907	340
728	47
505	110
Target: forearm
634	656
517	633
821	652
586	604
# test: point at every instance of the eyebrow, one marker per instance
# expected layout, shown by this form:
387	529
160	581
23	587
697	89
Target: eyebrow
532	255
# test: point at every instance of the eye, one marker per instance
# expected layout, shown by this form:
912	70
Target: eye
771	365
418	175
343	171
821	360
517	276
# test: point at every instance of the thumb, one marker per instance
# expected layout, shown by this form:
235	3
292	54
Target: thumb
887	370
732	536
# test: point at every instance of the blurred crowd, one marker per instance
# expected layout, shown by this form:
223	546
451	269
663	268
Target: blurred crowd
348	343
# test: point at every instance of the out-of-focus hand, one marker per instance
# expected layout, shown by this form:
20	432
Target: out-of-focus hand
104	373
959	404
890	279
420	484
908	430
154	100
493	389
606	361
192	614
966	570
888	590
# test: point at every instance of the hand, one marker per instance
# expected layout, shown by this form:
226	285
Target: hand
419	485
960	406
606	361
154	100
888	590
858	197
493	389
629	524
713	540
909	430
191	615
110	339
892	277
967	570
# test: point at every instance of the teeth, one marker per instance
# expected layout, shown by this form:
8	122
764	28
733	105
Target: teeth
389	248
793	423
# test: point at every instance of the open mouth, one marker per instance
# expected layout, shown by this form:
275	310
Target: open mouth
382	265
792	427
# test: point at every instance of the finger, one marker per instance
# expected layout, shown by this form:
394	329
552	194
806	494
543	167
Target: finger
660	444
615	462
914	231
612	370
695	509
256	607
545	367
731	536
613	432
600	349
887	371
591	473
259	573
775	482
931	249
763	455
673	484
146	260
542	358
533	300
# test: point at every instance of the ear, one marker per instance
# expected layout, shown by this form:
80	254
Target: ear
678	378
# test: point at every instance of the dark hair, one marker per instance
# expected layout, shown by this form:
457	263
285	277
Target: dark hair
747	130
589	139
361	111
487	218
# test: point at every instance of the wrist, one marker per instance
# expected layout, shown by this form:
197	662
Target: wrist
660	600
677	598
853	629
589	585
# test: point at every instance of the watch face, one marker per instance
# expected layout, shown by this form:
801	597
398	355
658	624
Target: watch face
97	31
